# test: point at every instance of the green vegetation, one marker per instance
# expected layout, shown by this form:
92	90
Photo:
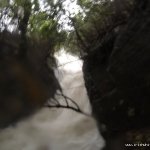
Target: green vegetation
98	19
42	20
112	37
33	19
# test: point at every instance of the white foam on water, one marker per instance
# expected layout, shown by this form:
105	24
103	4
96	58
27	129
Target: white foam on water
58	128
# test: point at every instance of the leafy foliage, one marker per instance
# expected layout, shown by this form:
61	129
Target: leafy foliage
33	18
101	17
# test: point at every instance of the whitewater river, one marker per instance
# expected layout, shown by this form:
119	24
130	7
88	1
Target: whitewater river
58	128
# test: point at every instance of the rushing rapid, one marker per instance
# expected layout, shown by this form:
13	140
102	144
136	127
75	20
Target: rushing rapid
58	128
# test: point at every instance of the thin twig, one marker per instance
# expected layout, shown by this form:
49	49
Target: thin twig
68	62
58	105
69	107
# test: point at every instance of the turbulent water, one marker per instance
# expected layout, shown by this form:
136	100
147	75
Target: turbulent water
58	128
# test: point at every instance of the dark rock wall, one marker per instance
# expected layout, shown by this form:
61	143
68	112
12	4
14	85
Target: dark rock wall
117	74
26	83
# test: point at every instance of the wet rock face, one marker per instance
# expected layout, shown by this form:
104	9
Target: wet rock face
25	85
118	86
